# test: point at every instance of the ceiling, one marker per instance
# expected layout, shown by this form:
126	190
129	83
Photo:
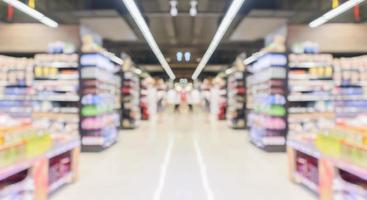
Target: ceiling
102	25
256	19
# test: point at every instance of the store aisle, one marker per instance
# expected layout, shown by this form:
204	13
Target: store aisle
183	157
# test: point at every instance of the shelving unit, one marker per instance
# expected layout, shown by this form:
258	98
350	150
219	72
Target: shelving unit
328	176
310	100
56	93
333	134
144	101
216	94
351	88
149	97
100	101
56	109
16	81
236	110
267	88
39	176
130	109
31	155
223	103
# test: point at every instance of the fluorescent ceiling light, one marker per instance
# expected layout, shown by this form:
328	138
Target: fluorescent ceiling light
253	58
138	71
193	9
229	71
223	27
114	58
334	12
249	60
135	13
32	12
174	10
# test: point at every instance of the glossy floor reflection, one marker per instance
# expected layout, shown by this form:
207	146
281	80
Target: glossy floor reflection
183	157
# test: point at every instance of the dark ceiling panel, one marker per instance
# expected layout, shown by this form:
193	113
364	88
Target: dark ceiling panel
184	27
183	31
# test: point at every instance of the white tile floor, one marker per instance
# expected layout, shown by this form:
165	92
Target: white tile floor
183	157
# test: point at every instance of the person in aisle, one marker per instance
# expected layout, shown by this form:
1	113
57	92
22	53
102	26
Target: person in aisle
160	101
177	105
152	98
190	102
205	90
161	93
170	97
194	99
173	98
216	101
206	95
184	95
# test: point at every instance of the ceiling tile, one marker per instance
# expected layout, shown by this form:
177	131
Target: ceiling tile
111	28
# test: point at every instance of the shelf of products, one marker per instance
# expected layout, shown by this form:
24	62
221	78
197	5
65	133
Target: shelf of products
351	89
267	89
337	157
25	147
31	163
56	93
310	98
130	108
327	146
236	109
223	104
216	97
144	100
100	101
149	98
20	141
16	79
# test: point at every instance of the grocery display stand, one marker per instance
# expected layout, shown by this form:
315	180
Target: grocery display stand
310	99
15	87
350	87
223	104
144	100
325	175
56	93
56	109
35	159
130	101
236	110
267	88
39	180
332	163
100	101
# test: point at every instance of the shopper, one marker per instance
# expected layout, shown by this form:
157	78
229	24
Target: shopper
194	99
177	101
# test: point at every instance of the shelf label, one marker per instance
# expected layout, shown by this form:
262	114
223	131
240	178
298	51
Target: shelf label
92	141
273	140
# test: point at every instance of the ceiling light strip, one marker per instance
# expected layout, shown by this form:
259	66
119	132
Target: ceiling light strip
334	12
32	12
253	58
135	13
223	27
